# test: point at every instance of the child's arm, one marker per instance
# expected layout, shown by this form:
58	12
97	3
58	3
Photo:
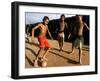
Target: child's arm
66	25
33	29
50	34
86	26
69	35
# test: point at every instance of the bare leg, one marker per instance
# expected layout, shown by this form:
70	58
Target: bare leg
39	54
61	46
80	55
73	48
44	55
60	41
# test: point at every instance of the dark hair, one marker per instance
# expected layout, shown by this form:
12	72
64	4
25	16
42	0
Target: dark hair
45	17
62	16
79	15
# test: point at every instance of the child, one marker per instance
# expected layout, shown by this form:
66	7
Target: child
63	24
42	38
78	35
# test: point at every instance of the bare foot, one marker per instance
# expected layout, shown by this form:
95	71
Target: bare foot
61	49
43	58
71	52
36	63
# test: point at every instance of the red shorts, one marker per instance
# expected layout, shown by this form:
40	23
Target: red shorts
43	42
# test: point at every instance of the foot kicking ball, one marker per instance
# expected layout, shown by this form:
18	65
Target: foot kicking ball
42	62
35	63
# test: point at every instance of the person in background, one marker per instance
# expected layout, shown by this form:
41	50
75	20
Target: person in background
77	35
61	29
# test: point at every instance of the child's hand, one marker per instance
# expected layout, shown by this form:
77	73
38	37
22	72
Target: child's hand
69	36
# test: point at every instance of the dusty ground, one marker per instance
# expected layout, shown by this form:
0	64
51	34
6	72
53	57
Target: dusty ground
55	57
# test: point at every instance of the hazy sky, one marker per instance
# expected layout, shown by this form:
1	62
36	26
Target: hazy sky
31	17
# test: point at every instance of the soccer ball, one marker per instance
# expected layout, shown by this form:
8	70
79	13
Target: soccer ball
42	62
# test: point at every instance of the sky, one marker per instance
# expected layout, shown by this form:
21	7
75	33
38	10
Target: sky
32	17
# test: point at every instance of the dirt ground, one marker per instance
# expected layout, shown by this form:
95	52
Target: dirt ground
55	57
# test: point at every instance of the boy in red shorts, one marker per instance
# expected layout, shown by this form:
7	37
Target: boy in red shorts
42	39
